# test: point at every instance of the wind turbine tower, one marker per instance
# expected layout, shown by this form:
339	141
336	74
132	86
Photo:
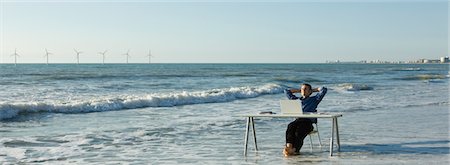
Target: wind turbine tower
150	56
103	54
78	55
127	54
47	54
15	57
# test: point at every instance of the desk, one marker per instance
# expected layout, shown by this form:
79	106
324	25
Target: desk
334	126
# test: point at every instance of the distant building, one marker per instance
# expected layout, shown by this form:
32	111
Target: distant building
444	59
431	61
441	60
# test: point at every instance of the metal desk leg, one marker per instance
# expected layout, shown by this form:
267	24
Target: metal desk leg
332	136
254	133
337	135
246	136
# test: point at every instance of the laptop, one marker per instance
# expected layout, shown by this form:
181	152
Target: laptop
291	107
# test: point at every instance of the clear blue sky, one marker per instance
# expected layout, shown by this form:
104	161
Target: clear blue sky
299	31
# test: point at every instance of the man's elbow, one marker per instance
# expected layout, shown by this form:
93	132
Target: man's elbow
323	90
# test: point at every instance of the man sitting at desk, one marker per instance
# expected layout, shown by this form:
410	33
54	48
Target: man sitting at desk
299	129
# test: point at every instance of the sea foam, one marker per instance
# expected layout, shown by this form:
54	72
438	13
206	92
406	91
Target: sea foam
354	87
11	110
423	77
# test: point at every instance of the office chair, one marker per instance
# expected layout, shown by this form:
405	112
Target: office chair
314	131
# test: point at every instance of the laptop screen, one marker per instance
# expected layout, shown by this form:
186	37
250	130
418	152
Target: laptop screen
291	106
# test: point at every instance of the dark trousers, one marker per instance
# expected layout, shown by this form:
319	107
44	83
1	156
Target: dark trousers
297	131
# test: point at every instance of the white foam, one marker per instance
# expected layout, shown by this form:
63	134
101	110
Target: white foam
17	153
10	110
354	87
411	69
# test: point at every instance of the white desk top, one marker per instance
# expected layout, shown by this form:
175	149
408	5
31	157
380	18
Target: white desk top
304	115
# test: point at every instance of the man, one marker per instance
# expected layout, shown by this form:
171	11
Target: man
299	129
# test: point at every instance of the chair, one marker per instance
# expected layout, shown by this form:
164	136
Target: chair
314	131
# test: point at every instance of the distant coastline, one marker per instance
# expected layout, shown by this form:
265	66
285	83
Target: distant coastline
344	62
442	60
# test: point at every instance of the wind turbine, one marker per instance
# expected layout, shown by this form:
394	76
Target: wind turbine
103	54
78	55
127	54
150	56
15	56
47	54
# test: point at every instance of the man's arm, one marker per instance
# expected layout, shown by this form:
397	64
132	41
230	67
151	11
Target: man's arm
315	89
295	90
290	95
322	91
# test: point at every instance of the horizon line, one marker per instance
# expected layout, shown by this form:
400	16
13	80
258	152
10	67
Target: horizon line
212	63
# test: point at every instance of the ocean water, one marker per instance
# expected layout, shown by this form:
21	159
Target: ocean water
188	113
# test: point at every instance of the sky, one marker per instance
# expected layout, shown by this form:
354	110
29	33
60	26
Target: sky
289	31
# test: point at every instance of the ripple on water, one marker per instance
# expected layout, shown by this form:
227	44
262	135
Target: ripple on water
22	143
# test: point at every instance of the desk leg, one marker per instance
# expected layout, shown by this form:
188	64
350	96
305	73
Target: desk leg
332	136
246	136
254	134
337	135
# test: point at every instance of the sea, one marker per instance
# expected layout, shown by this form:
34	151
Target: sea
190	113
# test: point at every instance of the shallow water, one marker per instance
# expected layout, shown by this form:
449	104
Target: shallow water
396	122
189	134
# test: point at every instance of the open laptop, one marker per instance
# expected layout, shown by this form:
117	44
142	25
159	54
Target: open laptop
291	107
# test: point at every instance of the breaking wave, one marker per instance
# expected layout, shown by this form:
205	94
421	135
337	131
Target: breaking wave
354	87
296	80
408	69
11	110
424	77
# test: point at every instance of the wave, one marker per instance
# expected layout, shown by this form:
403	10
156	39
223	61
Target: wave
8	110
354	87
296	80
378	107
434	81
408	69
113	76
240	74
137	76
372	73
423	77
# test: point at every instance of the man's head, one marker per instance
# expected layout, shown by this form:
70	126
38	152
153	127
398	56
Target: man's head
305	90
